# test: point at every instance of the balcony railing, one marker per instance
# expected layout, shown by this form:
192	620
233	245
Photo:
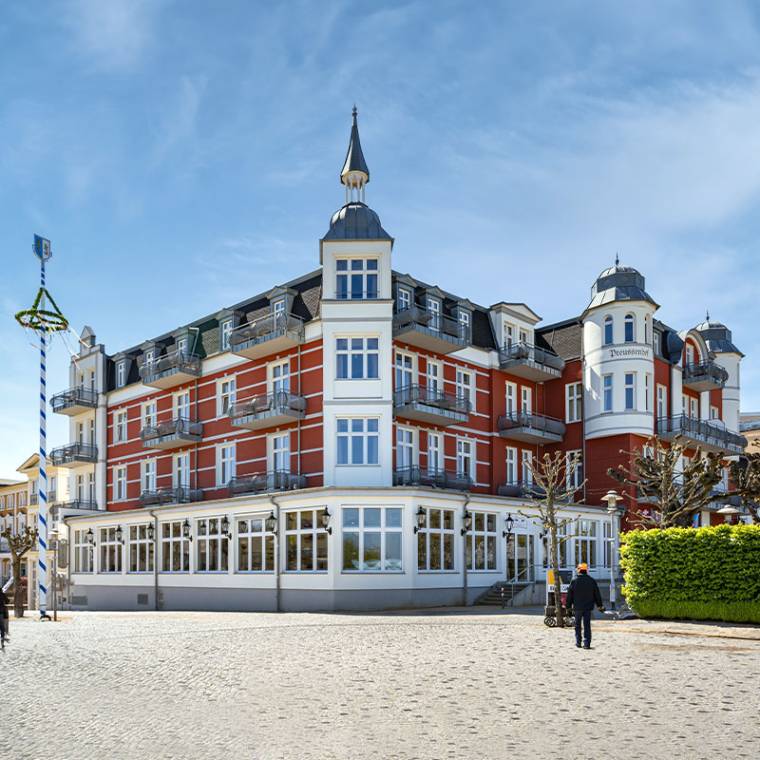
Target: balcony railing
710	435
74	400
171	433
178	495
431	405
264	482
531	428
74	453
418	476
171	369
430	330
84	504
520	489
270	334
268	410
531	362
704	376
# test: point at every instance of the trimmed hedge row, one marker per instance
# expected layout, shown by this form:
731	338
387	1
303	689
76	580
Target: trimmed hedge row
708	573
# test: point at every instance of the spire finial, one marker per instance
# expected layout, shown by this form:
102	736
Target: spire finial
355	173
354	112
617	259
707	315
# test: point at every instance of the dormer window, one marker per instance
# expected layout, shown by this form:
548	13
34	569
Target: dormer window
689	354
182	346
524	336
464	323
630	328
356	279
225	330
150	355
278	310
121	374
608	331
509	335
403	299
434	309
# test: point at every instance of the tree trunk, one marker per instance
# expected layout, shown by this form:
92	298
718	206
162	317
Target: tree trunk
554	559
18	590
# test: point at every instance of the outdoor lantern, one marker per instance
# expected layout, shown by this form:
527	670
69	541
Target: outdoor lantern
510	524
324	520
186	530
151	532
421	516
271	523
613	498
728	512
226	527
467	519
119	534
90	537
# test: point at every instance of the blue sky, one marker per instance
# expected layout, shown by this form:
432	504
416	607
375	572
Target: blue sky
184	155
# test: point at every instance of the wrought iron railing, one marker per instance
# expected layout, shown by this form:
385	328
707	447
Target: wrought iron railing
538	422
709	432
268	404
178	495
74	452
263	482
702	371
79	396
88	504
523	351
432	323
265	329
175	426
170	364
419	476
418	394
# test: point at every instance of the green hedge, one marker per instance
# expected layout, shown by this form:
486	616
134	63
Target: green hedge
700	573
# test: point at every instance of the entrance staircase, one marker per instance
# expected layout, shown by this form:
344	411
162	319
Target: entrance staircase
501	594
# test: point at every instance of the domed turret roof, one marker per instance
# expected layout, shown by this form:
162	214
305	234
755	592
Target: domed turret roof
717	337
619	283
356	221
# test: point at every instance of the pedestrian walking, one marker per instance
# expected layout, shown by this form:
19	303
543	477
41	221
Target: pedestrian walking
4	619
582	596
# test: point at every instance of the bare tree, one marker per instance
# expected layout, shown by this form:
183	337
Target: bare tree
19	544
553	476
745	479
674	486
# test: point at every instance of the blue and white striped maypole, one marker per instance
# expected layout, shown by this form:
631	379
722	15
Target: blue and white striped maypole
43	252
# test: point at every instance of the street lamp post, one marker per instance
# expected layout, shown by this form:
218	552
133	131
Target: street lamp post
728	512
613	498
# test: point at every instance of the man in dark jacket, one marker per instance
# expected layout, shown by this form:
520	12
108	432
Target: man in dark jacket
582	596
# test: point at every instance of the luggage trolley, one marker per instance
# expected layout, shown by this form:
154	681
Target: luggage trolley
550	610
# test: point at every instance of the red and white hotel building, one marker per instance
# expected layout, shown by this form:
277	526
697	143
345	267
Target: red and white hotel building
357	437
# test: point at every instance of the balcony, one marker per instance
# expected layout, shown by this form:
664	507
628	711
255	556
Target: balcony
708	435
432	332
268	410
87	505
74	454
530	428
520	490
264	482
74	401
270	335
417	476
179	495
428	405
172	369
705	376
171	434
530	362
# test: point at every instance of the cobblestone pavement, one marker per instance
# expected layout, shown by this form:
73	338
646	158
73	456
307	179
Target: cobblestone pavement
413	685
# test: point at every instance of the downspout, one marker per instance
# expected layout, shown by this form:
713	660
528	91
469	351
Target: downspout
465	536
155	559
298	429
68	562
277	570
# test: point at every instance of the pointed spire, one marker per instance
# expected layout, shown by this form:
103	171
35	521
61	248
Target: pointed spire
617	259
355	172
707	315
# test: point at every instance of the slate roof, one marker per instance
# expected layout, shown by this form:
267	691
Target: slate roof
564	338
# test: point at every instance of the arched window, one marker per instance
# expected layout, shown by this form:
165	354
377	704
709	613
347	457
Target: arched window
647	331
630	331
608	336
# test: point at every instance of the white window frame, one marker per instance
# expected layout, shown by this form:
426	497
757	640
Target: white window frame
433	377
526	473
368	267
226	463
403	299
405	442
574	475
181	405
437	532
278	450
303	526
225	332
366	428
84	554
464	386
526	399
511	465
586	542
120	420
573	402
629	389
357	347
384	530
278	377
403	370
251	530
608	330
181	470
110	551
466	452
174	545
434	453
647	392
694	408
149	413
662	401
629	321
215	542
433	307
148	475
226	391
608	392
120	482
483	533
121	373
140	549
510	396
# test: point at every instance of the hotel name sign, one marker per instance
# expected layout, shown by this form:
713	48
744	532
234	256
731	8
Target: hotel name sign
628	352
